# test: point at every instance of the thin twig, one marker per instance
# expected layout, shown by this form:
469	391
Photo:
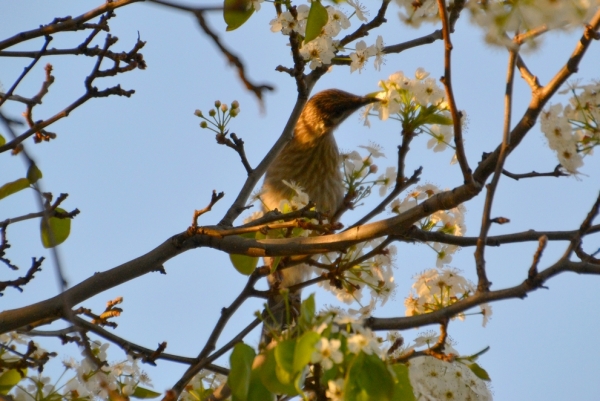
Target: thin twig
215	197
524	236
557	172
423	40
483	282
36	266
533	270
65	24
187	8
91	92
447	81
364	29
25	71
584	229
125	345
236	144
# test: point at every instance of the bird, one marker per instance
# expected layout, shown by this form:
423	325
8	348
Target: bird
311	160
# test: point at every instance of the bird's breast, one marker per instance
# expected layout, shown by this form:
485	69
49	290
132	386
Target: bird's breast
314	168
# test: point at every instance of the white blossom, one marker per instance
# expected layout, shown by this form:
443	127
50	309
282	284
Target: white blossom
327	353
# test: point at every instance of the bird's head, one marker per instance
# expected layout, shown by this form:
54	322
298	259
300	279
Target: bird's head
329	108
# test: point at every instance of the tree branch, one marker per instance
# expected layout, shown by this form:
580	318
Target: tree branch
447	81
483	282
26	70
64	24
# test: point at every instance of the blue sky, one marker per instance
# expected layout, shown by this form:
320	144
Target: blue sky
137	169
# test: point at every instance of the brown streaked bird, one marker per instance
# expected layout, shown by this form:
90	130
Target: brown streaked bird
311	160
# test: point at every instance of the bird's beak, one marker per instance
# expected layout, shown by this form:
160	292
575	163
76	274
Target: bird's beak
371	98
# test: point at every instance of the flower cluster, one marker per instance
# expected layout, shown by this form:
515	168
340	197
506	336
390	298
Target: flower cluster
573	131
343	341
435	289
109	381
121	378
498	18
362	53
434	379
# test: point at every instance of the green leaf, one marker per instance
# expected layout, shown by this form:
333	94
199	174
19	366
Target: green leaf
268	376
369	379
307	311
403	390
257	390
13	187
9	379
243	263
317	19
141	392
304	350
437	119
284	356
241	368
479	371
60	228
2	140
236	13
33	174
291	361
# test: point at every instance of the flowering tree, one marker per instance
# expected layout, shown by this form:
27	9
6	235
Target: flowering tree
329	353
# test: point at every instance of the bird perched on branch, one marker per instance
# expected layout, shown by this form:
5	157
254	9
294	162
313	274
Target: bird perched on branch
312	161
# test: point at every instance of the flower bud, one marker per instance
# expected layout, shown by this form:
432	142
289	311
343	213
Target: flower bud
373	169
198	113
217	103
224	108
203	124
235	104
234	112
212	112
